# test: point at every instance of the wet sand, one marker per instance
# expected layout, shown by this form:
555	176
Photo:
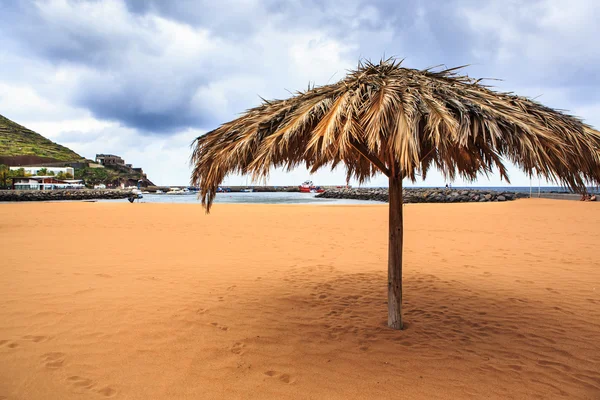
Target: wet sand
158	301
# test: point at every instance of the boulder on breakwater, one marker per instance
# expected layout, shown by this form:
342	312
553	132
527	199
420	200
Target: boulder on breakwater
55	195
423	195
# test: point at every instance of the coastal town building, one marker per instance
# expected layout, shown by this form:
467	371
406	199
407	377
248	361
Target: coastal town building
109	159
93	165
31	170
113	160
45	183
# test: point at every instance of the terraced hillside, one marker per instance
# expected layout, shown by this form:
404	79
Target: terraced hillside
16	140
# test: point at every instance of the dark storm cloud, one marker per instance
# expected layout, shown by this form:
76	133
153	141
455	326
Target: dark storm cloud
161	66
228	18
128	76
51	39
160	122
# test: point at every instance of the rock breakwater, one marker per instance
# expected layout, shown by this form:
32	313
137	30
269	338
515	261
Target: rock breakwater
55	195
423	195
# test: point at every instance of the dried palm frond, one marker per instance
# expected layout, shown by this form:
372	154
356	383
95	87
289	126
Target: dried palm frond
386	118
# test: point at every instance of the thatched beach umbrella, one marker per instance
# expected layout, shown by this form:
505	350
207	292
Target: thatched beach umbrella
383	118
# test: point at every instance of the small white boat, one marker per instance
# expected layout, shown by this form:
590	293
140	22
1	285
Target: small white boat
159	191
247	190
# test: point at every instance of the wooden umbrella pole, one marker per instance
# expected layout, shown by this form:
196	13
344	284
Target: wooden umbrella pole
395	251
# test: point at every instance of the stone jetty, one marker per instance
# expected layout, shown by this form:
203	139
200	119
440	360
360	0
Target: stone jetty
54	195
423	195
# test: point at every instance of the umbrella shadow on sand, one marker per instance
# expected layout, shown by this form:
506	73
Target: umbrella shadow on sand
478	334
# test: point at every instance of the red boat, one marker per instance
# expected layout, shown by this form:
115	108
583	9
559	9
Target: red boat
308	187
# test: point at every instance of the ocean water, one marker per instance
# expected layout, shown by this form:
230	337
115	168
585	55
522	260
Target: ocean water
246	198
305	198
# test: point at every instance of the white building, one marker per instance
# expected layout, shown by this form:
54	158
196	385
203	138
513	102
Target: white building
54	170
46	183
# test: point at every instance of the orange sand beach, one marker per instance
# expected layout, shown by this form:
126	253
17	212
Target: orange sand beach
159	301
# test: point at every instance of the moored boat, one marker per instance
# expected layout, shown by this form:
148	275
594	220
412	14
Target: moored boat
306	186
309	187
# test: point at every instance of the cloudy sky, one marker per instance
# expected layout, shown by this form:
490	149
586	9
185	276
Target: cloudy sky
142	79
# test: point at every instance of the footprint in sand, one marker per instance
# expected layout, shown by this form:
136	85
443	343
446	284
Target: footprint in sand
202	311
35	338
8	343
238	348
53	360
285	378
221	327
78	383
107	391
104	275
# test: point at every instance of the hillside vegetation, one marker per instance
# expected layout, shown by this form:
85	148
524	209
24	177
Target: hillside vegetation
21	146
111	175
16	140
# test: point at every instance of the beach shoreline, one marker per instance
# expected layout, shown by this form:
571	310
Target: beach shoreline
154	301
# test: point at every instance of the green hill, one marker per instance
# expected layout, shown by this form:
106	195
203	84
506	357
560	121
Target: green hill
16	140
21	146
